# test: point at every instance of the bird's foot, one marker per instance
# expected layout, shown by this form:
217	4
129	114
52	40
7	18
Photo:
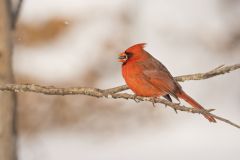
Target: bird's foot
175	111
175	108
135	98
153	100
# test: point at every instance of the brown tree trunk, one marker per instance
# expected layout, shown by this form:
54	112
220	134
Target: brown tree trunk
7	100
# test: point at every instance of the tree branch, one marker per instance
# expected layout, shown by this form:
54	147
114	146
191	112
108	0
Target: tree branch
215	72
113	92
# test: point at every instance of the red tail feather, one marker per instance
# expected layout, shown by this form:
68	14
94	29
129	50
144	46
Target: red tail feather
194	104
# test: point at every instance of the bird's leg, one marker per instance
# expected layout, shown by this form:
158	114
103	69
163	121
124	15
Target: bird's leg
167	97
175	111
153	101
135	98
173	108
177	104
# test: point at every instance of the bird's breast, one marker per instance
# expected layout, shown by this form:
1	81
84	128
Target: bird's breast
133	75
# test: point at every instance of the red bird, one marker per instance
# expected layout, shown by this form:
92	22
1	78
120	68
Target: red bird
148	77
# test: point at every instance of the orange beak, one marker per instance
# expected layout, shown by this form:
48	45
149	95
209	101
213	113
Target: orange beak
122	57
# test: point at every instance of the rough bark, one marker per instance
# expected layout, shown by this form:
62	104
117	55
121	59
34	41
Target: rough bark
7	100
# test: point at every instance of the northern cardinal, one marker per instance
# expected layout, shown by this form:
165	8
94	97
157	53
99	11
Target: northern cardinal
148	77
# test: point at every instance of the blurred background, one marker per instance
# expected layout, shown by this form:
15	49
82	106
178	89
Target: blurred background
76	43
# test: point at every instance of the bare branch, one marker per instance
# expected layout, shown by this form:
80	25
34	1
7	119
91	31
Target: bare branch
215	72
175	106
51	90
113	92
94	92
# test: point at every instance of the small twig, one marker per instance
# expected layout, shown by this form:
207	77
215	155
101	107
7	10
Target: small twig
200	76
113	92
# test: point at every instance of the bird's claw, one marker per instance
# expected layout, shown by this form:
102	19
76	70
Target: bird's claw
175	108
135	98
175	111
153	101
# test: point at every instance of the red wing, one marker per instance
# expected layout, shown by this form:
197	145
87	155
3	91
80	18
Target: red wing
161	81
158	75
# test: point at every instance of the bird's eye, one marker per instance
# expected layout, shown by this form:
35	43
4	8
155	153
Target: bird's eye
129	55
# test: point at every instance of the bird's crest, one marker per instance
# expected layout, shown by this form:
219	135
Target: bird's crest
136	47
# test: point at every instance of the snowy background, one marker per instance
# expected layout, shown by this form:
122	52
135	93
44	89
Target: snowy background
76	43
